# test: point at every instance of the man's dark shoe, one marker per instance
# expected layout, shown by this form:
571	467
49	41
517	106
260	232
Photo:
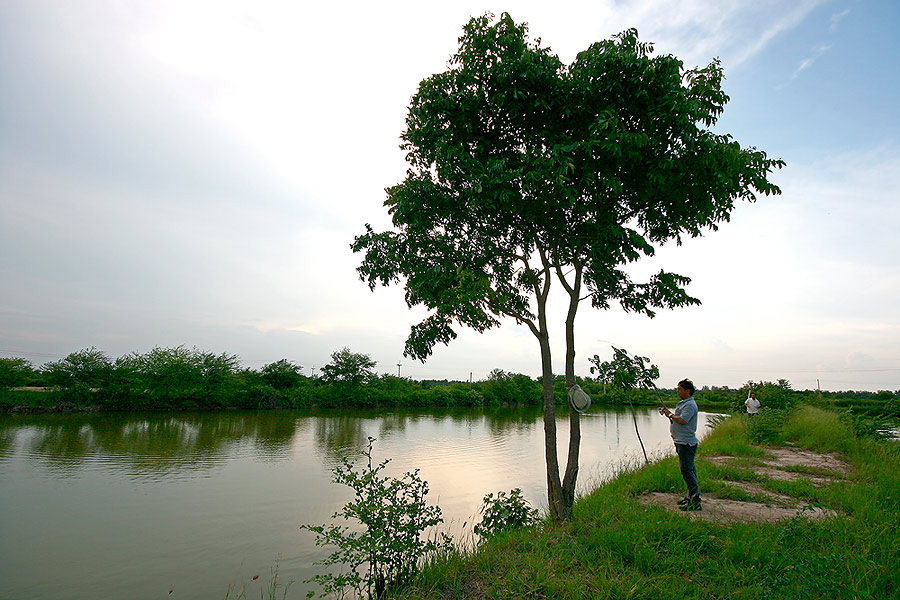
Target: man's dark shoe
683	501
691	506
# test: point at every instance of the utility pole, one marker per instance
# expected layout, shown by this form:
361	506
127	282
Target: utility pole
398	369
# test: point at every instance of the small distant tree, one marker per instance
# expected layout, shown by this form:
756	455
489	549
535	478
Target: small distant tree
15	372
625	371
217	374
91	368
628	372
282	374
349	367
166	373
604	371
525	173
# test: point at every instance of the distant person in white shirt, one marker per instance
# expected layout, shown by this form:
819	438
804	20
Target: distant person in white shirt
752	404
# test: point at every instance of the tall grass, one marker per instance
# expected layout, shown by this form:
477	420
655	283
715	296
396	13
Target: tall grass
818	429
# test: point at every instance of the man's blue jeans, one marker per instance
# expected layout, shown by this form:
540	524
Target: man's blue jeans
688	471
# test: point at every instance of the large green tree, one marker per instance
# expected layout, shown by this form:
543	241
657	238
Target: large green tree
525	172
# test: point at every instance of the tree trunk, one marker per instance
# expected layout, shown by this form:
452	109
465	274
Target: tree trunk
560	508
568	485
556	500
555	497
560	494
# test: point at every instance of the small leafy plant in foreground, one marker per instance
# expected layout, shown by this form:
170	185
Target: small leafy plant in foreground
389	548
505	512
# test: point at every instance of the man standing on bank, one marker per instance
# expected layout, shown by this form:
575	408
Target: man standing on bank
752	404
684	433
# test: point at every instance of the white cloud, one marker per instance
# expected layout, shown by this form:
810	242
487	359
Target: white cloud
836	18
699	30
817	52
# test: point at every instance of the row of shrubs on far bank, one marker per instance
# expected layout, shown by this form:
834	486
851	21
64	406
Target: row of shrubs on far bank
188	378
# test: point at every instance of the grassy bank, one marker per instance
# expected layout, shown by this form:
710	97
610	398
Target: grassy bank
619	547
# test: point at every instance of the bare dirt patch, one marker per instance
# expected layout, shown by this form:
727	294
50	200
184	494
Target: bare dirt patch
787	457
819	469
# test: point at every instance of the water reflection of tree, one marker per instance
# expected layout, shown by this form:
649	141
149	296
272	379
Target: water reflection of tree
506	421
339	435
396	421
275	434
157	444
62	446
7	440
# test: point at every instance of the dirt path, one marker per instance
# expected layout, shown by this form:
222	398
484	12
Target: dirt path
780	464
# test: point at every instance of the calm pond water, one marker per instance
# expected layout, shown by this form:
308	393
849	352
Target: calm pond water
181	505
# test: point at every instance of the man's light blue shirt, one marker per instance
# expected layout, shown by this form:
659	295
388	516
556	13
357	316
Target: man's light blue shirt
687	433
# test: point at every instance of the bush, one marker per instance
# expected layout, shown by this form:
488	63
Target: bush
765	427
258	397
90	368
863	426
389	549
281	374
15	372
438	396
505	512
892	408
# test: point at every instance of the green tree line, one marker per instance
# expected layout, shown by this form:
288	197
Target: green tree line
184	378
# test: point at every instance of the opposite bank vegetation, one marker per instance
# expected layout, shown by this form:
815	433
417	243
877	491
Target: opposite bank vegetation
184	378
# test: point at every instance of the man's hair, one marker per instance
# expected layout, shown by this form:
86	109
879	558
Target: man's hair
688	385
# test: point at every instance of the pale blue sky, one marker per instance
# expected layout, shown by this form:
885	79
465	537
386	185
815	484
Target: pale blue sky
179	172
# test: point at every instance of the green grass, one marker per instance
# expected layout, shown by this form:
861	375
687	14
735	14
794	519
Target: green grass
616	547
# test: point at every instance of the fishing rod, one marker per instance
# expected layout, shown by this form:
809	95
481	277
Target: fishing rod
662	404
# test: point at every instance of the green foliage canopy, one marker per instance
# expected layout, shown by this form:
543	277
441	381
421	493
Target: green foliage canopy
521	166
